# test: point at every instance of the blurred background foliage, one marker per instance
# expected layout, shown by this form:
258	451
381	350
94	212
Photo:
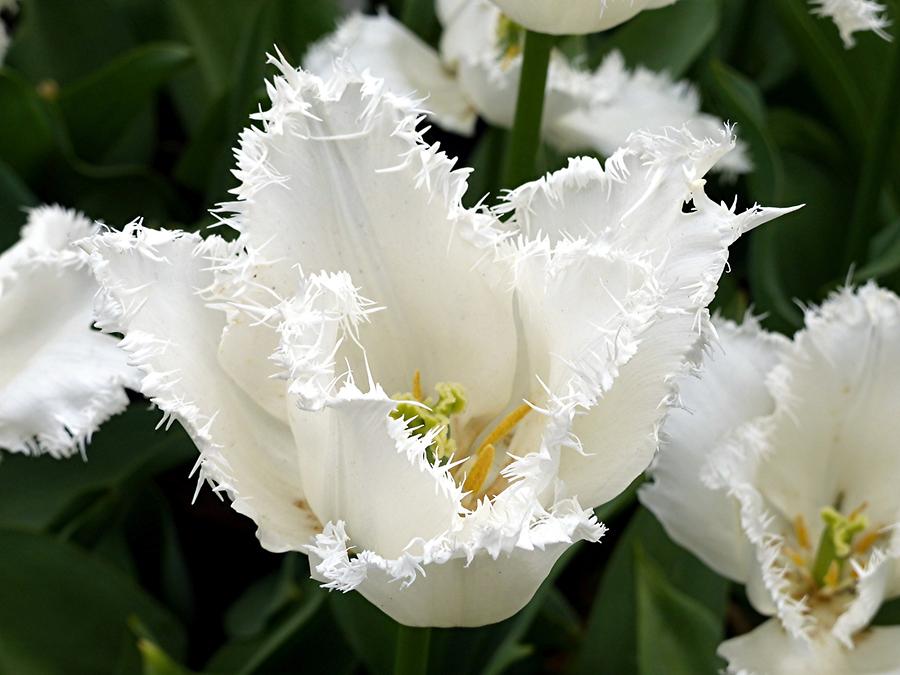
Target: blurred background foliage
126	108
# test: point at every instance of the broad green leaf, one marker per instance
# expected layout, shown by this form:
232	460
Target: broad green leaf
739	100
884	255
611	639
64	611
816	232
370	633
261	602
26	134
14	198
668	39
61	40
98	108
155	661
37	493
845	79
304	632
675	633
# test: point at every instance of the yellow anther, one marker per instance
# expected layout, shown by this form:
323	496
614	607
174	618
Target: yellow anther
417	386
480	469
802	532
833	575
866	541
795	556
858	510
506	425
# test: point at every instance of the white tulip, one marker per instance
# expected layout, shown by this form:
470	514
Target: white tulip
59	379
574	17
781	472
423	397
479	68
852	16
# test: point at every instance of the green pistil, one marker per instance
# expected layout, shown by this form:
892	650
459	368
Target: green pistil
836	542
420	420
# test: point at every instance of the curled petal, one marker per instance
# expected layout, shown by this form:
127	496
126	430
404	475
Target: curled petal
468	578
728	391
153	285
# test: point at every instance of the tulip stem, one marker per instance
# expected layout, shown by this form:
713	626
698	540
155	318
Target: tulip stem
525	138
412	651
875	165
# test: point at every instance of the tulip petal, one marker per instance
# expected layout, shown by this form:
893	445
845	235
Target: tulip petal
60	379
728	391
339	179
153	291
385	47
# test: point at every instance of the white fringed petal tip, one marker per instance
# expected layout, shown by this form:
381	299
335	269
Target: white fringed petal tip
786	440
852	16
361	296
60	379
574	17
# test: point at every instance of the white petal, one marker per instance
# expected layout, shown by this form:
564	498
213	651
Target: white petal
152	283
871	590
470	29
634	208
851	16
769	650
574	17
481	574
60	379
728	391
837	398
385	47
340	180
361	466
624	101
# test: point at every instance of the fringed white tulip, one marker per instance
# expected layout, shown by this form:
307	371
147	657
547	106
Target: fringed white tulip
479	69
423	397
781	473
852	16
59	379
574	17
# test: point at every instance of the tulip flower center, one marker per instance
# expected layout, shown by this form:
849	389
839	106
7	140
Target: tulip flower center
433	416
829	573
510	39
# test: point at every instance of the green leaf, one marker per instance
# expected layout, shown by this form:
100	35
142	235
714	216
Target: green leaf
675	633
61	40
668	39
14	198
261	602
739	100
611	639
63	611
884	255
777	276
38	493
26	134
155	661
98	108
302	633
370	632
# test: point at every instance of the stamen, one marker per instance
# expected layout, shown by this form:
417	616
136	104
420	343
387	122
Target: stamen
833	575
480	469
835	545
795	556
506	425
865	542
802	532
417	386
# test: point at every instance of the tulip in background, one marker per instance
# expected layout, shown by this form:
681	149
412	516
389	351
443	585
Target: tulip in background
576	17
477	72
424	397
59	379
852	16
781	474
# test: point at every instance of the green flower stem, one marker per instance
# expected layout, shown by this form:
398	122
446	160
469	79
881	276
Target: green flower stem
876	158
412	651
525	137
